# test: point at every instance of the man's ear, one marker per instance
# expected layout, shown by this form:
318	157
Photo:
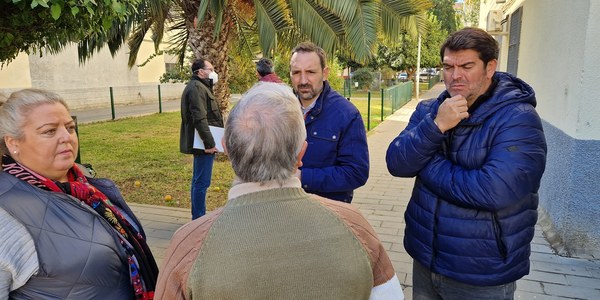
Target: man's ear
325	73
301	154
491	68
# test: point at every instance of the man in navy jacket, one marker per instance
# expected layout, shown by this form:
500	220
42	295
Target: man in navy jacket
337	158
478	153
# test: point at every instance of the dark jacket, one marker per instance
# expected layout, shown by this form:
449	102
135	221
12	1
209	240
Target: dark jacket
79	253
198	110
337	157
473	208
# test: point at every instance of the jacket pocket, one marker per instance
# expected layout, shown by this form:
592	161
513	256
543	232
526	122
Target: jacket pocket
213	113
323	143
498	233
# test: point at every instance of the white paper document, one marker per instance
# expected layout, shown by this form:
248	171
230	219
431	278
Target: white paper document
217	133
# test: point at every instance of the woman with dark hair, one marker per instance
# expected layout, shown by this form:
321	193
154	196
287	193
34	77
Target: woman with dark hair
62	235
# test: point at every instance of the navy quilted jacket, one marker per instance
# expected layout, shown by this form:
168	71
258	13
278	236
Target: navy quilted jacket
337	157
474	205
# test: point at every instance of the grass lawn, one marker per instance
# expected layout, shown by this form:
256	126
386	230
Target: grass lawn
146	149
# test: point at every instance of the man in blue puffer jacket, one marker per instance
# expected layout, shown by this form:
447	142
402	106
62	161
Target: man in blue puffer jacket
337	157
478	153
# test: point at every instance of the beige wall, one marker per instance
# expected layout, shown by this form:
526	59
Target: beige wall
16	74
152	69
88	85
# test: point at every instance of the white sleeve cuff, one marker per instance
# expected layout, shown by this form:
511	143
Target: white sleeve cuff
389	290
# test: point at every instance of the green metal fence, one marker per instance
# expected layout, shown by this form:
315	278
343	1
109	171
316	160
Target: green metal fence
398	95
376	106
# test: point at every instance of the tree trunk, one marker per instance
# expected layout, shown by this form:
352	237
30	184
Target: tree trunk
215	50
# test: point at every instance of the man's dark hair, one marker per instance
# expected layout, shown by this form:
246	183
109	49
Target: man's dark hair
197	65
475	39
311	47
264	67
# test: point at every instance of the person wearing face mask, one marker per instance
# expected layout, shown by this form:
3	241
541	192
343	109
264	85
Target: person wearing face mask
199	110
62	235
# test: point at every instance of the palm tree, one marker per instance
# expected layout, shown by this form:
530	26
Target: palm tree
207	27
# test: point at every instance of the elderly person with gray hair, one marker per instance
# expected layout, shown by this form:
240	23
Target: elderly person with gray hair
62	235
272	240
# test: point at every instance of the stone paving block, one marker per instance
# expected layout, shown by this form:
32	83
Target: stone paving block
399	225
594	272
559	268
381	218
542	248
529	286
403	267
378	207
160	225
533	296
374	223
364	211
364	200
398	247
571	292
159	234
158	242
400	256
390	213
579	281
386	230
547	277
401	277
386	245
547	257
390	238
408	293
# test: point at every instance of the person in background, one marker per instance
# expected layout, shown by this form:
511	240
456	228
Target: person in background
199	110
272	240
478	152
337	159
265	72
62	235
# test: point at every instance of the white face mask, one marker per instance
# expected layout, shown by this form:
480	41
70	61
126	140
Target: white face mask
214	76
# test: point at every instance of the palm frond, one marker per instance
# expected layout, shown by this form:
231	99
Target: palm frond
317	23
398	16
271	16
362	36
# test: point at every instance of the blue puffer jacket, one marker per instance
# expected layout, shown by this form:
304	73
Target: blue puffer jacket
337	157
474	205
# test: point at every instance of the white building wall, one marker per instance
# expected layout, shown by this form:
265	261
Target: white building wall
561	60
559	56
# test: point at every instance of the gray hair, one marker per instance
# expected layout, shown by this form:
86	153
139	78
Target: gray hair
17	108
265	133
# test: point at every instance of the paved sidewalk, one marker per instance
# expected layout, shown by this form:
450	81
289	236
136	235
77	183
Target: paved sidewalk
383	201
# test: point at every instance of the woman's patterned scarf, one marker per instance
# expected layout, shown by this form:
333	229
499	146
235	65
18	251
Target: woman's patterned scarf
143	270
